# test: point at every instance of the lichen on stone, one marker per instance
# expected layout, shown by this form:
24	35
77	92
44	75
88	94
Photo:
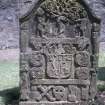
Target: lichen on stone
71	9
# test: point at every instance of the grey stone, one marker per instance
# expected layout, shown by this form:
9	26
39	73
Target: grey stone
98	8
9	28
59	47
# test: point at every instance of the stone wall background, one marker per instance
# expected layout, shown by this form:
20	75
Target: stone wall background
9	30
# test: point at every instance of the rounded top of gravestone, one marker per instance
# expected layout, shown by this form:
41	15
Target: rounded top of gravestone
27	6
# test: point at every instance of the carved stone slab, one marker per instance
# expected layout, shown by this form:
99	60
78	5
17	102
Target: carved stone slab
58	53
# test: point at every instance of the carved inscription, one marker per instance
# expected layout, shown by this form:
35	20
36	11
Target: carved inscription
53	93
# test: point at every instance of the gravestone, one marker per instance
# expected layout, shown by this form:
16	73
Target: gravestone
59	50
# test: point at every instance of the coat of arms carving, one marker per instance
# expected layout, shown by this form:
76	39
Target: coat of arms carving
58	48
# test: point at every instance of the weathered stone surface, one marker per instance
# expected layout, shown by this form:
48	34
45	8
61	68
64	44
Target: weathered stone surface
25	5
82	73
55	103
98	7
58	53
7	3
9	24
8	15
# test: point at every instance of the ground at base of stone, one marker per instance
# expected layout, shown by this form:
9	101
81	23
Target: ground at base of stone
14	103
52	103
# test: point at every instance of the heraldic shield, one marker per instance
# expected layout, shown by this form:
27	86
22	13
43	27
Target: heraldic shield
59	66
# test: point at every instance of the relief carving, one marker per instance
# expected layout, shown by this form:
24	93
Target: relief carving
82	73
24	87
37	66
24	66
36	60
44	91
64	8
74	93
36	46
59	93
82	59
54	17
60	41
61	48
50	93
59	66
36	73
85	93
53	48
69	48
83	44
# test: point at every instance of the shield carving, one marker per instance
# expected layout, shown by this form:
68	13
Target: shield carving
59	66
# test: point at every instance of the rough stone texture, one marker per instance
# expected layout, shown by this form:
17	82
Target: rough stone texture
9	30
24	6
98	7
59	47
